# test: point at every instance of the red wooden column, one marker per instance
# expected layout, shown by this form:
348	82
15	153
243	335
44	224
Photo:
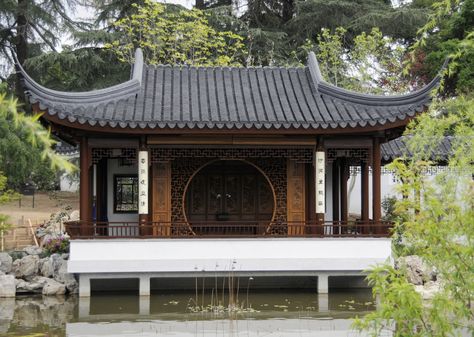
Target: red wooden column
143	186
311	199
364	197
344	172
335	190
84	187
376	190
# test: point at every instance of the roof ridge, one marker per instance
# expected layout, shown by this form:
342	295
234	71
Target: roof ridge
180	66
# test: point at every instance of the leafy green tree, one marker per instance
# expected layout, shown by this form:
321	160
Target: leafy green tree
109	11
207	4
358	16
436	216
79	69
33	132
371	63
28	26
448	32
439	228
21	162
182	37
6	195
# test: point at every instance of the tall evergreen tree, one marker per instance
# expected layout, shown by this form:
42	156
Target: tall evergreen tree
448	32
28	26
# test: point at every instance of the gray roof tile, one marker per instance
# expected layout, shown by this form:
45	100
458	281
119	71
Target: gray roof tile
226	98
397	148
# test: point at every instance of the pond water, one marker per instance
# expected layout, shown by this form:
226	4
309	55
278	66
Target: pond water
282	314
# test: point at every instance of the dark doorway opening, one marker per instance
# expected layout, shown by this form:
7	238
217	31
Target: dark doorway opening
229	197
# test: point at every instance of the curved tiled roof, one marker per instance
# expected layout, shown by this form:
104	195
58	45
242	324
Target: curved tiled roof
397	148
226	98
66	149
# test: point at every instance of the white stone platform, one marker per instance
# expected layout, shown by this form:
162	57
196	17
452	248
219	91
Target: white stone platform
154	258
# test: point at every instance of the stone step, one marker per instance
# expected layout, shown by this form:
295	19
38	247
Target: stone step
18	238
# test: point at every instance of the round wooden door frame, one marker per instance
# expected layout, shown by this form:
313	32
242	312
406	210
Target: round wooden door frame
185	191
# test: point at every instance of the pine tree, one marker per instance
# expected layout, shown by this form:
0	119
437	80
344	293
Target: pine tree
29	26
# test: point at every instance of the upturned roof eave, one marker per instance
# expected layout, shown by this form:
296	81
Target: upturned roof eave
69	105
370	99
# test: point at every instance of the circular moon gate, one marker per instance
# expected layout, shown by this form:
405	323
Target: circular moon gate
229	197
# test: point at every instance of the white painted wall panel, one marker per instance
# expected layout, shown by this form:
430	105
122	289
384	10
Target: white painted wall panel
191	255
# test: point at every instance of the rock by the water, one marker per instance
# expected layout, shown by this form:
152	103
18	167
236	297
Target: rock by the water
7	286
53	287
428	290
33	250
34	286
46	267
61	275
5	262
26	267
418	272
56	262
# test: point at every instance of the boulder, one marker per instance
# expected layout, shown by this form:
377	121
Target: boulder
46	267
418	272
5	262
26	267
43	236
428	290
17	254
74	216
61	275
7	286
33	250
34	286
56	262
53	287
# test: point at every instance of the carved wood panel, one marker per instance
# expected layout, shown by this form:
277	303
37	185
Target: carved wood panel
295	197
229	191
161	186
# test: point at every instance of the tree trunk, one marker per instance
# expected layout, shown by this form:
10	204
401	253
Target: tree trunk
288	10
199	4
21	43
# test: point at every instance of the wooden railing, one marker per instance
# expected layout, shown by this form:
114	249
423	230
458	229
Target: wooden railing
226	229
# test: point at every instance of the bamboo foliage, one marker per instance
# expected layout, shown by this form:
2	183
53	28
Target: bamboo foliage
436	223
34	132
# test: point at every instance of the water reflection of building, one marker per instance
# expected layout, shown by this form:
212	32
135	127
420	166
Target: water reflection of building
195	171
302	327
